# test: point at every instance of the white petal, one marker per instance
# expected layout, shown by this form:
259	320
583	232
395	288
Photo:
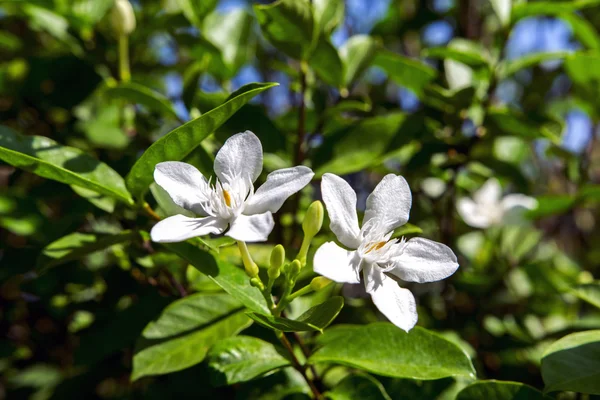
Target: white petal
340	201
337	264
241	157
518	200
489	193
473	214
396	303
179	228
280	185
424	260
184	183
166	203
389	203
252	228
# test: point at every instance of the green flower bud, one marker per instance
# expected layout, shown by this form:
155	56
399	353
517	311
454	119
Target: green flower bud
294	269
277	256
251	269
256	282
319	283
122	18
313	221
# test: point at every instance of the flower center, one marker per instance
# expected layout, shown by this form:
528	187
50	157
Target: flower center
227	198
375	246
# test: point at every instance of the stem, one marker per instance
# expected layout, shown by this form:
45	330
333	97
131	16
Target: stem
304	249
300	292
151	212
285	297
301	116
124	72
286	343
250	266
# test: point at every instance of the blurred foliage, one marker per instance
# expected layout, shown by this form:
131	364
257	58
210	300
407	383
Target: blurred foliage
86	297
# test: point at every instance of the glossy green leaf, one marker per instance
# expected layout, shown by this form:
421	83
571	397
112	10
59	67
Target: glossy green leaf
44	157
157	357
357	55
177	144
358	386
232	34
101	201
500	390
510	67
463	51
77	245
384	349
410	73
537	8
573	363
315	318
231	278
191	312
326	63
328	14
289	26
243	358
589	292
140	94
196	10
508	121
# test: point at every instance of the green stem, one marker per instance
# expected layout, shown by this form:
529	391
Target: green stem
124	71
300	292
285	297
252	271
288	346
304	250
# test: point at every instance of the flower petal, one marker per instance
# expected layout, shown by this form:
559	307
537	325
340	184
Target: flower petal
424	260
340	201
166	203
396	303
179	228
251	228
489	193
337	264
473	214
241	157
518	200
389	204
184	183
280	185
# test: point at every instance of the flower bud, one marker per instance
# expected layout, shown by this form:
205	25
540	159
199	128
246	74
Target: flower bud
257	283
294	269
277	256
122	18
251	269
313	221
319	283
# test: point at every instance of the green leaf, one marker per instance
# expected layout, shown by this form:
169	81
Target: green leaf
357	55
196	10
584	31
177	144
232	34
190	313
328	14
180	352
500	390
327	63
289	26
537	8
140	94
589	292
315	318
77	245
243	358
101	201
384	349
229	277
582	68
552	205
461	50
510	67
573	363
358	386
410	73
508	121
46	158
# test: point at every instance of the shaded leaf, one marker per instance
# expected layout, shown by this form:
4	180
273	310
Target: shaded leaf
140	94
589	292
357	55
410	73
419	354
510	67
196	10
357	386
243	358
500	390
327	63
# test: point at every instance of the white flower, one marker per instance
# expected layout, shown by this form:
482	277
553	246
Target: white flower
231	200
372	251
488	207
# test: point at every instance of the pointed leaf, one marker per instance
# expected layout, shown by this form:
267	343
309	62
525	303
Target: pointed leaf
384	349
573	363
357	55
316	318
196	10
243	358
510	67
589	292
44	157
326	62
358	386
410	73
177	144
140	94
328	14
500	390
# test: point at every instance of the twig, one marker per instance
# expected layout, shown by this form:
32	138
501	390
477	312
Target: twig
286	343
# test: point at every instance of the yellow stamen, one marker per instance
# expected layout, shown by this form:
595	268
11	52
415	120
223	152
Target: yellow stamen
375	246
227	197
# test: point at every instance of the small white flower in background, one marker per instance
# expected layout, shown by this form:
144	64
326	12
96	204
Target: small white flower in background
372	251
231	200
488	207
